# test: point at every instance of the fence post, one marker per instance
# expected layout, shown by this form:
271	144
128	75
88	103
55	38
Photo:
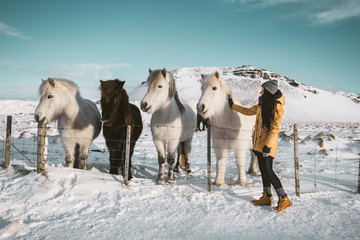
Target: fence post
41	149
296	159
8	141
209	158
127	155
359	179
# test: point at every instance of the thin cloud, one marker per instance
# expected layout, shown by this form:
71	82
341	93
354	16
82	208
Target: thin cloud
12	32
85	70
10	63
319	12
341	11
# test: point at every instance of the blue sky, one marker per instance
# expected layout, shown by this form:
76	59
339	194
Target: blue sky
314	42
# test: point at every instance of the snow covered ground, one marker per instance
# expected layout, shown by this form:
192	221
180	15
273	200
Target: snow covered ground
76	204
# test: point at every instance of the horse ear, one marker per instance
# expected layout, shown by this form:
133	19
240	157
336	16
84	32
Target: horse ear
52	82
217	74
150	71
122	83
101	81
203	76
164	72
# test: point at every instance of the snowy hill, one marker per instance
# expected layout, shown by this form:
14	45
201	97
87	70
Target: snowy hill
303	102
93	204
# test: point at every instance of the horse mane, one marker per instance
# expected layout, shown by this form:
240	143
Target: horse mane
55	83
110	89
155	76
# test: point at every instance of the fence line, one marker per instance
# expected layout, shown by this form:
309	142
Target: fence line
335	165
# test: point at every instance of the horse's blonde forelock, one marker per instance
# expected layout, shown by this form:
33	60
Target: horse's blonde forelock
156	75
58	83
208	79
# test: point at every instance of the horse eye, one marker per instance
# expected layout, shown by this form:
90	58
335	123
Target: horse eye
214	88
160	86
50	96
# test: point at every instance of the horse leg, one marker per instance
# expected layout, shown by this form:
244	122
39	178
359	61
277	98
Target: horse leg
70	156
171	160
180	155
240	155
160	146
220	165
187	152
253	164
113	162
161	175
84	151
77	156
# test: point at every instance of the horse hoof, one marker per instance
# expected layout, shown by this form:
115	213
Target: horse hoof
176	169
219	183
85	167
188	170
160	181
243	183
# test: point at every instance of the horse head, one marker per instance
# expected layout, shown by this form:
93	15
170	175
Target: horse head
161	89
213	94
56	95
112	97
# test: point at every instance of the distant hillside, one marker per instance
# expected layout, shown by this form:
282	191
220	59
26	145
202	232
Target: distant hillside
304	103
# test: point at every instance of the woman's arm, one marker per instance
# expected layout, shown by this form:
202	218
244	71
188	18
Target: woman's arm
244	110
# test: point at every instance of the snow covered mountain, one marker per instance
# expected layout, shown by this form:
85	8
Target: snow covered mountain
304	103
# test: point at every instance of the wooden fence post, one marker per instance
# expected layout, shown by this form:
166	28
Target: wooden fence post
209	158
359	179
41	149
127	155
8	141
296	159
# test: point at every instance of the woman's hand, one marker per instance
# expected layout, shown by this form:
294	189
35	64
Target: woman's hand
230	101
266	151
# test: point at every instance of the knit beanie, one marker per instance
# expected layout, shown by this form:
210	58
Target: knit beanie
271	86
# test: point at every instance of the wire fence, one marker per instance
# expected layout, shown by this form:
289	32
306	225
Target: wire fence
329	156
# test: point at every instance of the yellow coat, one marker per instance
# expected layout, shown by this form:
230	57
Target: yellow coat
262	135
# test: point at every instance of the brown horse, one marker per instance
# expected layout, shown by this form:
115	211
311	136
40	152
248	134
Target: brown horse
117	114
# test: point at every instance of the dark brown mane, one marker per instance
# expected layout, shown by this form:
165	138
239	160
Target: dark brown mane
114	97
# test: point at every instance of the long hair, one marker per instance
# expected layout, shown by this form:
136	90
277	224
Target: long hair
267	102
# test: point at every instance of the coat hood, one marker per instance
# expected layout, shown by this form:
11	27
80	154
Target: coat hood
280	97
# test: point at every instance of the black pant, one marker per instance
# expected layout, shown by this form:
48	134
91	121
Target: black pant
267	173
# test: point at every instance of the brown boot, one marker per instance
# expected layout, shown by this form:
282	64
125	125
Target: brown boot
264	200
282	204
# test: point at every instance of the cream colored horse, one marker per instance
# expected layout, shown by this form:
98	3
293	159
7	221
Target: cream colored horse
173	123
78	119
229	129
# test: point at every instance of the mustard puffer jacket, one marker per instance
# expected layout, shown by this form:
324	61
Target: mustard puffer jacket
262	135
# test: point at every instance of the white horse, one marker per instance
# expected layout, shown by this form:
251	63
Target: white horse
229	129
78	119
172	123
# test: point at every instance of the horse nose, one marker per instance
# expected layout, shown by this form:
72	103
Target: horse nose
37	118
143	106
201	108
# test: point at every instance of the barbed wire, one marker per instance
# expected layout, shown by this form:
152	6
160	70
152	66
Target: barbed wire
145	155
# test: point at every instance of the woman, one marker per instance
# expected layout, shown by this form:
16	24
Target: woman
269	112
